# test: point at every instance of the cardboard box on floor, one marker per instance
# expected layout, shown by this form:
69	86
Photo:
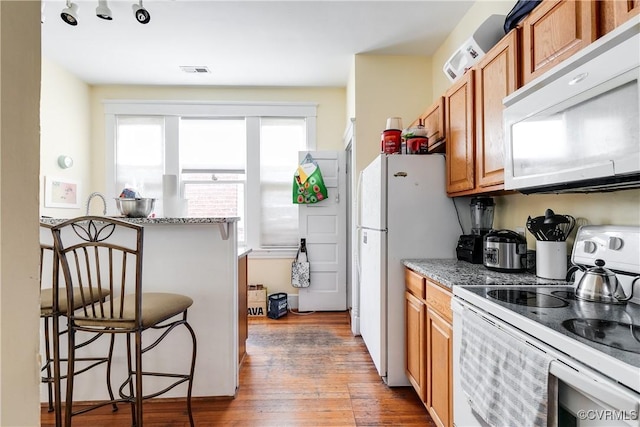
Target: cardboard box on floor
257	301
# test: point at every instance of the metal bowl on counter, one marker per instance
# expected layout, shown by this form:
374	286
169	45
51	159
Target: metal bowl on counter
135	207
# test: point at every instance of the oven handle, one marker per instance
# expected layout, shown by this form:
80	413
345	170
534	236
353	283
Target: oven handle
607	391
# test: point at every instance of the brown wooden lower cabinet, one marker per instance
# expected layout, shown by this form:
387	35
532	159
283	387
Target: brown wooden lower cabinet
416	315
243	326
439	369
429	345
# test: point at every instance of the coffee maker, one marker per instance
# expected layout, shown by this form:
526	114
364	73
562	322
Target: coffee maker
470	246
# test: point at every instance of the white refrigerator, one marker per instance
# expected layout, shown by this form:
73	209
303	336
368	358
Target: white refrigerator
404	213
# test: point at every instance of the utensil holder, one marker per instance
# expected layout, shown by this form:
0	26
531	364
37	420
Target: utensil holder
551	259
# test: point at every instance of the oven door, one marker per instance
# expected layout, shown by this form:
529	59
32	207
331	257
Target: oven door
585	398
578	406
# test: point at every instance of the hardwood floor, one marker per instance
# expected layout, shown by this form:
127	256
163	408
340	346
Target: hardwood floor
300	370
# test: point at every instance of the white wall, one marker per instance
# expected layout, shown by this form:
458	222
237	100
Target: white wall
387	86
19	247
65	125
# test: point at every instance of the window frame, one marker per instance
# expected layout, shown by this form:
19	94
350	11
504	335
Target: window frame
251	111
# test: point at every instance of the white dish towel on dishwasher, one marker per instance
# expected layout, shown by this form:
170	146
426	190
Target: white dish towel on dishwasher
506	380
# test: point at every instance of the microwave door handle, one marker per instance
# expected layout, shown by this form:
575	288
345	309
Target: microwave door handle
606	391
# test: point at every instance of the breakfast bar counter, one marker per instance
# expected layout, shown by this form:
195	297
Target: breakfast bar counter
196	257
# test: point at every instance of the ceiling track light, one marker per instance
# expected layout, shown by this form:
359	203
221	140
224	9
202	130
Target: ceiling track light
103	11
70	13
141	14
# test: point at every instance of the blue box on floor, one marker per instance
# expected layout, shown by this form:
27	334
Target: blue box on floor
277	305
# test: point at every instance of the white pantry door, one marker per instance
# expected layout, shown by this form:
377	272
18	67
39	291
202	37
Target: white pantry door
324	224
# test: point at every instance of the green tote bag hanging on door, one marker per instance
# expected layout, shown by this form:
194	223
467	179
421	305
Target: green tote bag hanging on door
308	185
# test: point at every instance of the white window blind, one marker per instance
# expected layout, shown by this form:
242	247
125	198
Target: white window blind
280	141
213	167
213	143
139	155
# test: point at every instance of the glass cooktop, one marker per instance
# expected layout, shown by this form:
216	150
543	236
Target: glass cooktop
528	298
623	336
596	324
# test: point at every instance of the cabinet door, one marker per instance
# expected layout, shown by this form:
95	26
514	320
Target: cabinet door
439	369
613	13
625	9
459	127
496	77
433	120
415	317
554	31
606	16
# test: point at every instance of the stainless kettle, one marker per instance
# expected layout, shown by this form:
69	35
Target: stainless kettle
599	284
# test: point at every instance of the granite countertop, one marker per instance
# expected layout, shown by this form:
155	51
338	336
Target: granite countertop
243	250
452	272
143	221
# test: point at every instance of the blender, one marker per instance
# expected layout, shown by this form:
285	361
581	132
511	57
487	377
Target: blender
470	246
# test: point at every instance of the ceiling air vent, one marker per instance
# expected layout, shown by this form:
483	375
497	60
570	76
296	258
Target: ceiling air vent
198	69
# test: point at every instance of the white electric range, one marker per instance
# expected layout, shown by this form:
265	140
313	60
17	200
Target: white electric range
595	346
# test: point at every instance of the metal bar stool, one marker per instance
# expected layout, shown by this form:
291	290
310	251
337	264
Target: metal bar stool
100	253
53	305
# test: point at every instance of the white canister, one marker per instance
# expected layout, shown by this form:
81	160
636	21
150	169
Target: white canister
551	259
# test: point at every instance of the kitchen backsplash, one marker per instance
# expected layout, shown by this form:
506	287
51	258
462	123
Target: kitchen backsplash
618	207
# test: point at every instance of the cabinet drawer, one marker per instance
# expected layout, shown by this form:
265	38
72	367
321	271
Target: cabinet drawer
415	283
439	300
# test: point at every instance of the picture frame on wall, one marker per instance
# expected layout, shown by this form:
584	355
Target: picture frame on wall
61	193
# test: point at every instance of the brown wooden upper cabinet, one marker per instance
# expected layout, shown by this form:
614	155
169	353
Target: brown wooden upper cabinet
615	12
469	116
496	77
433	121
624	10
473	110
459	127
554	31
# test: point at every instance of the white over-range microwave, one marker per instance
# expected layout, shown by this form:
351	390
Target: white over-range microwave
576	128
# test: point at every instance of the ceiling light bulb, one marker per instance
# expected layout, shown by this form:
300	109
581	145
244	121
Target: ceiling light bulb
103	11
141	14
70	13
